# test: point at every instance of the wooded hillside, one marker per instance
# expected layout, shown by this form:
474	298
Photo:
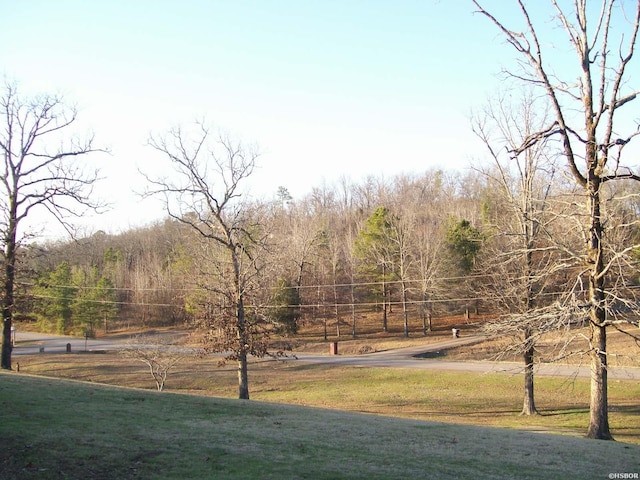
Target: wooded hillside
428	244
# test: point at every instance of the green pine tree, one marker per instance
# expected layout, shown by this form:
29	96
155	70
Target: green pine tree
54	295
285	310
464	242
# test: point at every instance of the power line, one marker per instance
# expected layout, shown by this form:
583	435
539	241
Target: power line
294	287
306	305
324	305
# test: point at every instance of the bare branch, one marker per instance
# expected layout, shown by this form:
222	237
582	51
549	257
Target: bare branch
204	193
159	353
33	177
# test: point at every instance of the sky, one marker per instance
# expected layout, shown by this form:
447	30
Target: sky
326	89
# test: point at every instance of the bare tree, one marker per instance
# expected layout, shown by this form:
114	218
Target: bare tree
598	86
159	353
518	261
429	267
421	208
298	233
401	239
203	192
41	172
351	267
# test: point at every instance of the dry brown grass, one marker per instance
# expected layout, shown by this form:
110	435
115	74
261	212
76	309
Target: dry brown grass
565	347
624	350
369	334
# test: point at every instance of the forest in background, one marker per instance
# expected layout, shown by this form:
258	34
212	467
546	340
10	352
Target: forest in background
430	244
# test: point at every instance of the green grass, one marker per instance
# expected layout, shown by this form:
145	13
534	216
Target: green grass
456	397
446	396
62	429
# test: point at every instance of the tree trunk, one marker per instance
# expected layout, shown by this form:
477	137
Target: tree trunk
7	294
336	308
385	327
243	377
354	332
529	405
321	311
599	408
6	330
405	312
243	341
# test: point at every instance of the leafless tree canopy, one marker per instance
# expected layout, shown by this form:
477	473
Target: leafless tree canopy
203	192
159	353
39	167
588	94
41	171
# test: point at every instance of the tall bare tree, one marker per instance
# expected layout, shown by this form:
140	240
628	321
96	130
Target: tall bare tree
421	211
519	255
402	228
429	265
203	192
41	172
587	95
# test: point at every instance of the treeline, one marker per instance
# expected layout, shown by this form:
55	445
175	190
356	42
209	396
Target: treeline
424	245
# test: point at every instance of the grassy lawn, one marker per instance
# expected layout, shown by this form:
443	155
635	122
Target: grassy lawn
62	429
493	400
417	423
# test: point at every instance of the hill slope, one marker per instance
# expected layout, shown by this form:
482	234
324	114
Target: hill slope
64	429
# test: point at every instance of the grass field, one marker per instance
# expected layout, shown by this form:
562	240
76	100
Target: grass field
62	429
456	397
417	423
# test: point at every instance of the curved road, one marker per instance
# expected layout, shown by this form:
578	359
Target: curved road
411	358
29	343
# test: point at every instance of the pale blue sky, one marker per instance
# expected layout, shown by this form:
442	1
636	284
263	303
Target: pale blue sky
325	88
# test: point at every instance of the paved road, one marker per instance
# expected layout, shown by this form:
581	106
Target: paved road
28	343
411	358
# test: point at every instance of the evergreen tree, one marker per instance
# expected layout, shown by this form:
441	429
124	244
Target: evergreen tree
285	307
85	308
374	248
95	302
464	242
105	297
54	294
